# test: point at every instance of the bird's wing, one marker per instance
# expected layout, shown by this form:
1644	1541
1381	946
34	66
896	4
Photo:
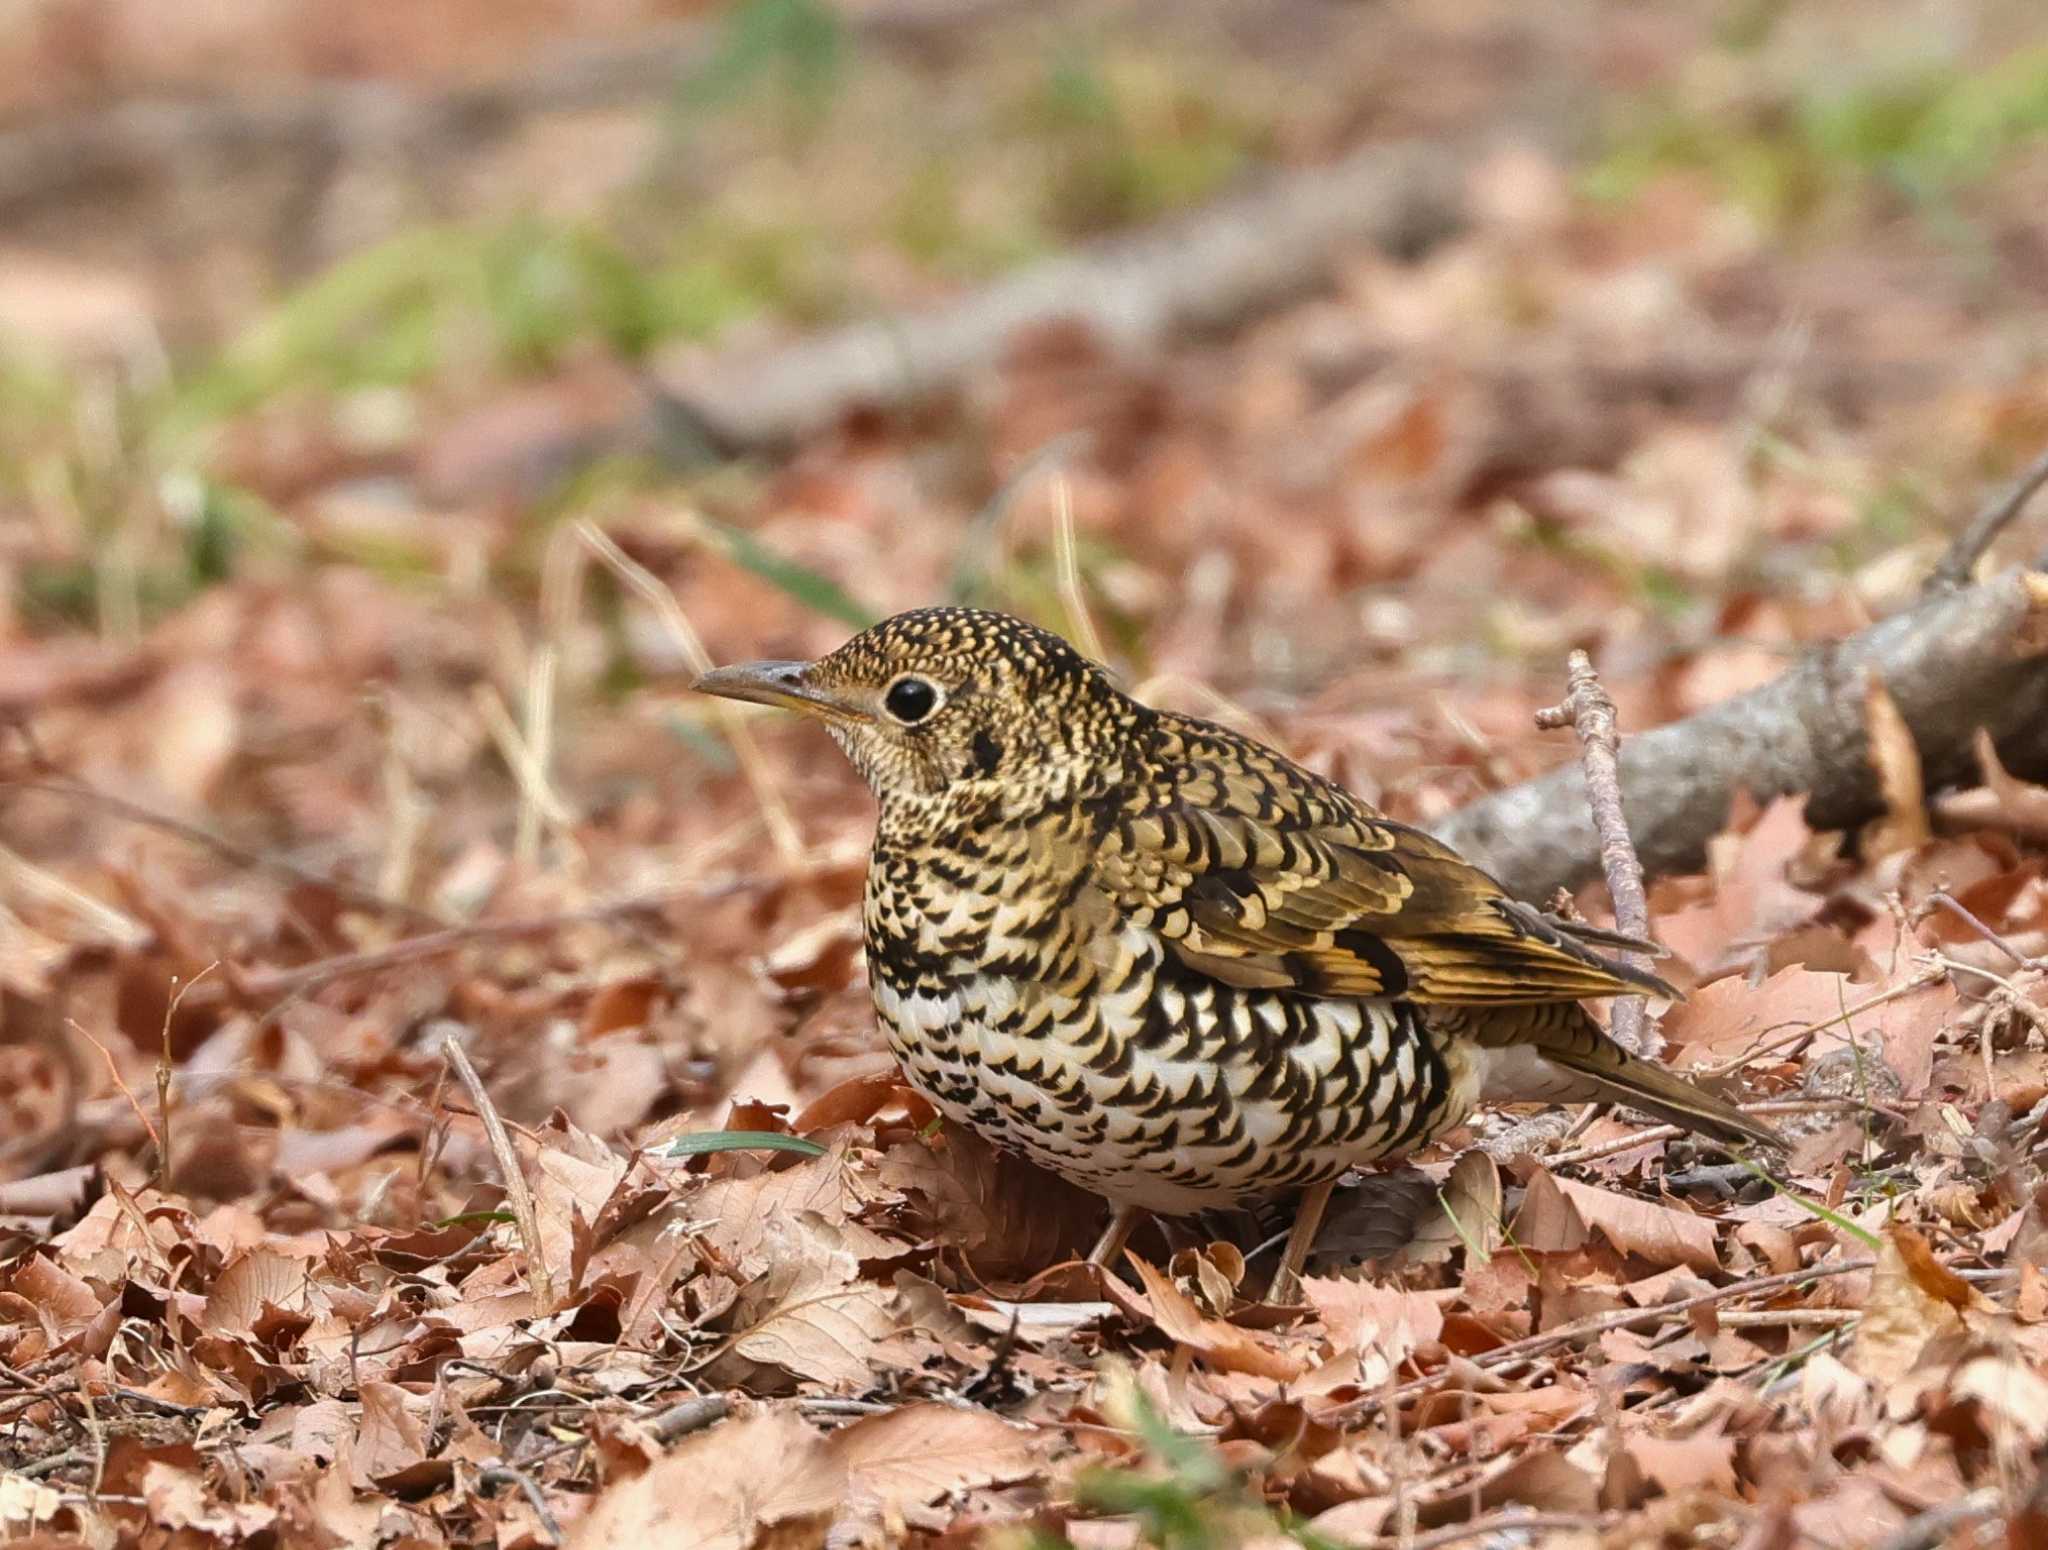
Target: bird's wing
1256	872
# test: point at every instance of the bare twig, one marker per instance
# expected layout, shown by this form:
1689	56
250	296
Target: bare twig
1516	1520
1654	1133
1589	711
114	1070
267	984
1925	1530
1609	1147
505	1474
1225	261
689	1415
1599	1324
517	1195
1786	1318
230	852
1960	561
1962	912
164	1069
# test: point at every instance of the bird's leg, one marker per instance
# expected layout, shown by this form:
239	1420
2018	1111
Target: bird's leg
1123	1221
1308	1219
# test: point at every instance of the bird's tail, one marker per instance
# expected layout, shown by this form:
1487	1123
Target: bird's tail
1575	1061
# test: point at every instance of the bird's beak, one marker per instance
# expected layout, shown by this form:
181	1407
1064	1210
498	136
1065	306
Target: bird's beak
774	683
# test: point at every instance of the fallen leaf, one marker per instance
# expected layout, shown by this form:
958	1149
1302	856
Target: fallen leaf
1896	758
180	1499
389	1439
740	1216
810	1314
1224	1345
1664	1235
922	1452
1704	1461
721	1489
1546	1222
1914	1300
1383	1323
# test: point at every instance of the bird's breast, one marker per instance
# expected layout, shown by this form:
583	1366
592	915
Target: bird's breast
1073	1034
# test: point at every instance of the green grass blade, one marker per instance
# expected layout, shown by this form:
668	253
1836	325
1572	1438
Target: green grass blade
699	1142
816	591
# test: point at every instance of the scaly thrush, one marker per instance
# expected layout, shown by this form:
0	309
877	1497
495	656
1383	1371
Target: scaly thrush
1167	962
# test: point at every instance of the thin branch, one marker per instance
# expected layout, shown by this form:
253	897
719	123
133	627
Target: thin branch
114	1070
689	1415
164	1071
1960	561
1514	1520
1598	1324
1590	712
517	1195
1927	1529
505	1474
230	852
269	984
1962	912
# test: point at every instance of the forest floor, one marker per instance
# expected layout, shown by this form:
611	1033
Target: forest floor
346	756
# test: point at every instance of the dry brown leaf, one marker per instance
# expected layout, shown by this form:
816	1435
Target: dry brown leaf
1664	1235
181	1499
1387	1213
722	1489
252	1282
920	1453
811	1314
1542	1479
1753	897
1914	1300
2010	1390
1009	1218
739	1216
1704	1461
1896	758
1382	1325
2003	799
1222	1344
1546	1222
389	1438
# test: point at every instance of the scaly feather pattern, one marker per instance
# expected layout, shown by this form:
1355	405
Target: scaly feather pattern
1166	961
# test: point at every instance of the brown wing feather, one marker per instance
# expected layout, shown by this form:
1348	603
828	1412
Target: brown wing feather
1257	872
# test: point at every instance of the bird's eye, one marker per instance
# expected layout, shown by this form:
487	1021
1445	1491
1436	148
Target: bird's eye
910	700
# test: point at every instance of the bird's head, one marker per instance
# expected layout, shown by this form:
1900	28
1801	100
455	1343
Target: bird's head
931	700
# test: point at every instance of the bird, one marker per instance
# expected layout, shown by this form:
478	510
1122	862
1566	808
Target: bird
1167	962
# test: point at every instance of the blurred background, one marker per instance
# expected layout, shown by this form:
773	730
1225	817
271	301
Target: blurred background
397	403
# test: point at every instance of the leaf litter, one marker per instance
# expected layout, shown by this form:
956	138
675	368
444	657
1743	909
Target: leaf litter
784	1306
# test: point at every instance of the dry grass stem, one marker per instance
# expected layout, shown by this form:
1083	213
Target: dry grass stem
234	854
782	828
517	1196
105	921
1067	566
262	984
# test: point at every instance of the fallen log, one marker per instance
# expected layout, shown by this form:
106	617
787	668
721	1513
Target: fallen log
1955	661
1212	267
